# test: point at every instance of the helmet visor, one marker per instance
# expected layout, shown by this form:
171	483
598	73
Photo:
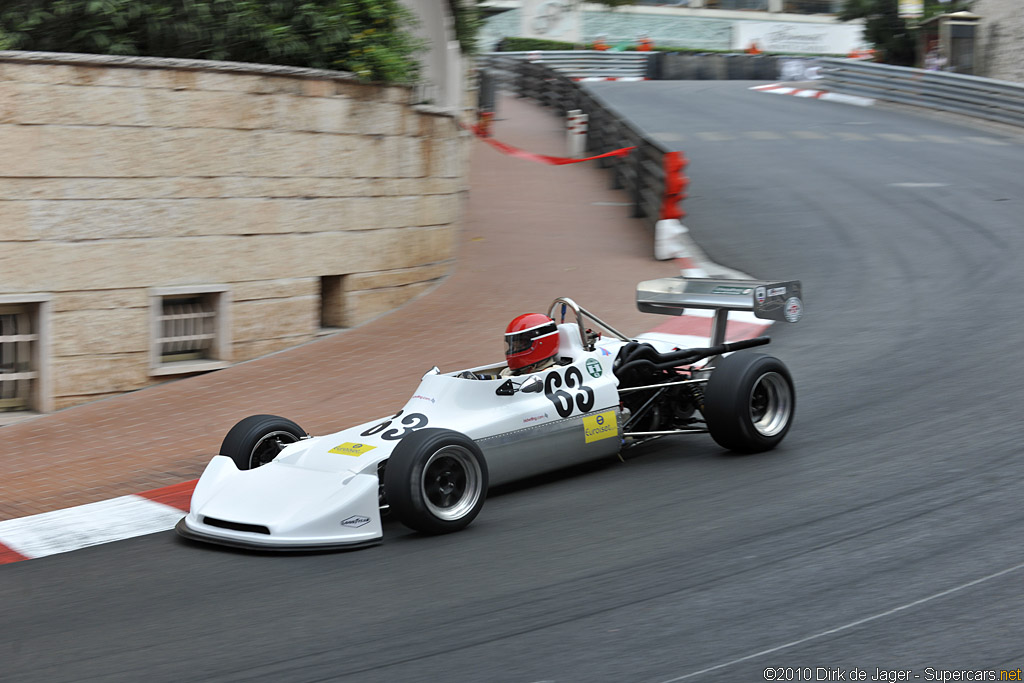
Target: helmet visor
520	342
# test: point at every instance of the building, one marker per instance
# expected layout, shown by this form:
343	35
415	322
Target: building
1000	38
777	26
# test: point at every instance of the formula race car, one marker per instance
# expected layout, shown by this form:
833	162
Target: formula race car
431	463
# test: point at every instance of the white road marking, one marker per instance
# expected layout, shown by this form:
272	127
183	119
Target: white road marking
896	137
809	135
852	624
988	141
711	136
918	184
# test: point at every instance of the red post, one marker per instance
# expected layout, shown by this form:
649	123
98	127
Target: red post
675	185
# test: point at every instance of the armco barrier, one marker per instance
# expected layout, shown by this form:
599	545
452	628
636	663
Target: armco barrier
585	63
641	174
986	98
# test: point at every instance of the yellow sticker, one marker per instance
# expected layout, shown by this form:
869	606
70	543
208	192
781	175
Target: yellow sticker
601	426
349	448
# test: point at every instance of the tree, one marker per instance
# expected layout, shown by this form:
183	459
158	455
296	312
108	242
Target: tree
366	37
891	35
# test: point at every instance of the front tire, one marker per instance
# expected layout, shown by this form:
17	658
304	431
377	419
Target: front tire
436	481
749	402
257	439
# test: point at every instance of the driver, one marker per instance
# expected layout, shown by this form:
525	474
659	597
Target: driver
531	344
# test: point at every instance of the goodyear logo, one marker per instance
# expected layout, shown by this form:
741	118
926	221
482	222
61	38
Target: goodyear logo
349	448
601	426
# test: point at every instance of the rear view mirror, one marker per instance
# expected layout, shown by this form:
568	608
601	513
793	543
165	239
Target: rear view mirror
533	385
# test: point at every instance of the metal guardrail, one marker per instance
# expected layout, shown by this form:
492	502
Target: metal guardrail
585	63
641	174
986	98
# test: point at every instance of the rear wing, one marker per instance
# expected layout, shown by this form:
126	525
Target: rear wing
771	300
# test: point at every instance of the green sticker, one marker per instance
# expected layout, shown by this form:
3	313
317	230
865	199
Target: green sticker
730	290
594	367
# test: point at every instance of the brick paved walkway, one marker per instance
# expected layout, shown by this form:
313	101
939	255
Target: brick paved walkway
530	233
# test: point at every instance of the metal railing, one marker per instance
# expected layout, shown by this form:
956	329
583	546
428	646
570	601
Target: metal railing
640	174
584	63
986	98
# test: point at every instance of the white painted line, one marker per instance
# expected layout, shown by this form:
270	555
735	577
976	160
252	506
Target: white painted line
809	135
918	184
65	530
896	137
852	624
988	141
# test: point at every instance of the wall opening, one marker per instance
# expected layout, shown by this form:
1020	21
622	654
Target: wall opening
332	301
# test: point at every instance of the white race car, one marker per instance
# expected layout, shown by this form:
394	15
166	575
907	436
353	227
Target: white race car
431	463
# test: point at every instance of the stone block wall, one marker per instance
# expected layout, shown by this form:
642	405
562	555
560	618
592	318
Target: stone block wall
306	199
1000	37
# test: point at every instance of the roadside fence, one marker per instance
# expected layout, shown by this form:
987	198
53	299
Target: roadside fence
986	98
641	174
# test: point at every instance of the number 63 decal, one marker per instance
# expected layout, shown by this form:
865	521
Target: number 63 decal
583	396
412	422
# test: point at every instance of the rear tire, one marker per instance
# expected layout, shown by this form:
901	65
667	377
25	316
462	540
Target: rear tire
257	439
749	402
436	481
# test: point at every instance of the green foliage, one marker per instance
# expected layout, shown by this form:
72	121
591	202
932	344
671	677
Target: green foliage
528	44
366	37
892	36
467	23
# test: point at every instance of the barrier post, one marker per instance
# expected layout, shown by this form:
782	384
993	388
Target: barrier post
576	131
669	232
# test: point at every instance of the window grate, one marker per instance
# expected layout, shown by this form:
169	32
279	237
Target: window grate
17	372
187	328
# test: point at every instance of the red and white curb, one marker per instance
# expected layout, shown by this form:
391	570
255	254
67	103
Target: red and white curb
61	531
781	89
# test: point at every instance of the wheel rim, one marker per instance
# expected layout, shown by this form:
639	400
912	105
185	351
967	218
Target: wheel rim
452	483
771	403
267	448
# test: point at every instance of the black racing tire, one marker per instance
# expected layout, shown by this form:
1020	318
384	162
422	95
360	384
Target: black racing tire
749	402
436	481
257	439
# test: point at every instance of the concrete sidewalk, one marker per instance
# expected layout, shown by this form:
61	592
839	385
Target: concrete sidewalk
530	233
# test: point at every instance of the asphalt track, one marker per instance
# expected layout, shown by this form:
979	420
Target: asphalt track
884	534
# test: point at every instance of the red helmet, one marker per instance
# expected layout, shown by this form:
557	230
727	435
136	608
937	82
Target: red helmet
530	339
